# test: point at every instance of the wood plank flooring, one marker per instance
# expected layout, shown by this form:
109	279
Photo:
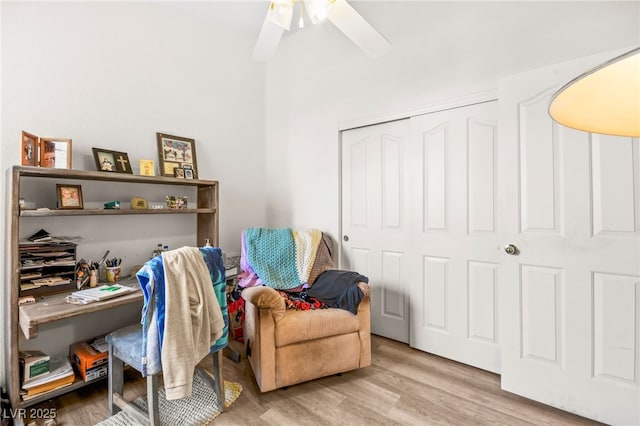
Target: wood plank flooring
403	386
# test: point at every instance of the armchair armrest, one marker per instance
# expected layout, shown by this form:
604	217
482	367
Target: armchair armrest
364	316
364	288
265	298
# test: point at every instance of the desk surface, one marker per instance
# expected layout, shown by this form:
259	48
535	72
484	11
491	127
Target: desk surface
56	308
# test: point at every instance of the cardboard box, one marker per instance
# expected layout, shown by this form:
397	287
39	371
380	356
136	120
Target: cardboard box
84	358
97	372
33	364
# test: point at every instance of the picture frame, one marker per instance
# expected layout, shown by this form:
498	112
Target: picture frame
69	196
147	168
111	161
178	172
29	149
188	173
176	152
55	153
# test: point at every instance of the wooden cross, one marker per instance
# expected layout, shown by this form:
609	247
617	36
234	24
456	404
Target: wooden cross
122	162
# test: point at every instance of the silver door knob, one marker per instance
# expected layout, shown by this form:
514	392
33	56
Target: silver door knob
345	238
511	249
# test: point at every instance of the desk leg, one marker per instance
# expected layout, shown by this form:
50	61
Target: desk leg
231	354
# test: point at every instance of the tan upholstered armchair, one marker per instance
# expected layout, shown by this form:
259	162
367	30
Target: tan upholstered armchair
286	347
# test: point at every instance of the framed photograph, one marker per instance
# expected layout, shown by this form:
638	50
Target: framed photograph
147	168
55	153
111	161
178	172
188	173
69	196
30	145
176	152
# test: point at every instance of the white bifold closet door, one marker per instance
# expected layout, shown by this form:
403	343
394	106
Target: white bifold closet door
454	238
375	220
418	214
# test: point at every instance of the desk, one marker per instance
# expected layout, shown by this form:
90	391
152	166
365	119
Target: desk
56	308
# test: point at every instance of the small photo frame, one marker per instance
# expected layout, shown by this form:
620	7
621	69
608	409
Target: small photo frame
147	168
176	152
29	149
178	172
111	161
55	153
188	173
69	196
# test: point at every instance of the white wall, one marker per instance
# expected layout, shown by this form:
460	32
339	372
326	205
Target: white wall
318	78
112	74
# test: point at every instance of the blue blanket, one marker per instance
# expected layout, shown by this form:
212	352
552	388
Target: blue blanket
272	253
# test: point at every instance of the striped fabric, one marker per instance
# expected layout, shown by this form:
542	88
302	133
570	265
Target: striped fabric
306	248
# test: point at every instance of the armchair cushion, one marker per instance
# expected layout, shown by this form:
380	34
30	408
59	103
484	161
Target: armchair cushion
301	326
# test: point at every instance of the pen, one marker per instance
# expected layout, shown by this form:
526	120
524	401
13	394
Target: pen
103	258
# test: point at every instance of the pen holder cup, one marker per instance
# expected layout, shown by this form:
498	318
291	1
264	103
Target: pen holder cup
113	274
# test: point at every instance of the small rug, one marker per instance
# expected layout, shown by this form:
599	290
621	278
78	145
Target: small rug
200	409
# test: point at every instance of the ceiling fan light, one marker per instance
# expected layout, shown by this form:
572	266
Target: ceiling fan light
318	10
603	100
281	13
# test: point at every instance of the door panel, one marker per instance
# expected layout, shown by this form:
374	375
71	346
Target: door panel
538	168
482	162
570	299
375	220
614	198
483	301
615	330
542	312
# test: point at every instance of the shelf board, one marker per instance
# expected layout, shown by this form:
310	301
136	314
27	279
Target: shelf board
56	308
77	384
43	172
109	212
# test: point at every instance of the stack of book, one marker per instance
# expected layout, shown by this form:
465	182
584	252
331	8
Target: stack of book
61	375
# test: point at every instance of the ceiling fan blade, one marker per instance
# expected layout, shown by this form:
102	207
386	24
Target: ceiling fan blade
281	13
354	26
267	41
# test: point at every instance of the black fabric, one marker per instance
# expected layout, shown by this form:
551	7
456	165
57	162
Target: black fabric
338	289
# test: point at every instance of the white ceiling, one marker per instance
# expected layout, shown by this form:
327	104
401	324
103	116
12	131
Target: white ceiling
394	19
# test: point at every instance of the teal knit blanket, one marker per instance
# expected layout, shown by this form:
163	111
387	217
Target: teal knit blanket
271	252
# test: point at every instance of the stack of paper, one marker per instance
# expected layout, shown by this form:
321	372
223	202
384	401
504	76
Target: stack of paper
61	375
102	292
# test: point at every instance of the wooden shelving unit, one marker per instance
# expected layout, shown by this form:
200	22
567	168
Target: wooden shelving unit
27	318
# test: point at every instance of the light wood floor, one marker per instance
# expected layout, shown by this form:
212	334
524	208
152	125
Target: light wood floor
403	386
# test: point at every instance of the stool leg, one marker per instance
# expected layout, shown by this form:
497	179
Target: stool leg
116	380
152	400
217	375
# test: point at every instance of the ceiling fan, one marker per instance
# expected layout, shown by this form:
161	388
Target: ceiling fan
339	12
